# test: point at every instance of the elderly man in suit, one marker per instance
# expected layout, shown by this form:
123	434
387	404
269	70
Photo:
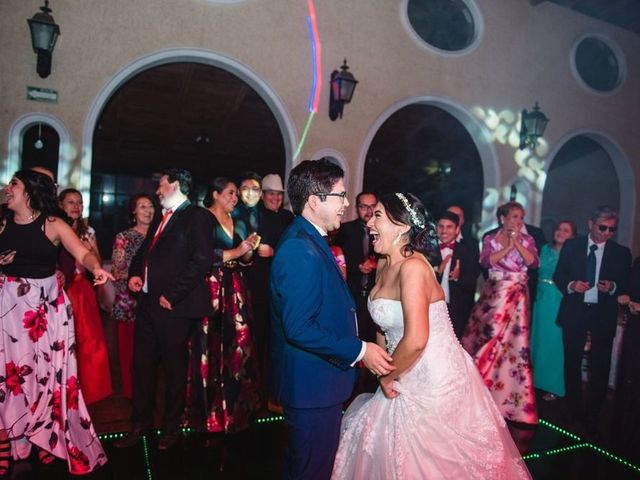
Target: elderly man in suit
592	271
169	272
458	271
314	341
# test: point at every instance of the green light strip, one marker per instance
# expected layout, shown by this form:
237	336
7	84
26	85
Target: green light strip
146	457
613	457
601	451
559	430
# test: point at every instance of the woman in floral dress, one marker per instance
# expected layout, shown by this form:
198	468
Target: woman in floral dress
41	402
125	246
497	335
93	356
223	389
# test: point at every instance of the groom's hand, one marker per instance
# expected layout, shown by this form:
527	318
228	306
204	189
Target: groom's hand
377	360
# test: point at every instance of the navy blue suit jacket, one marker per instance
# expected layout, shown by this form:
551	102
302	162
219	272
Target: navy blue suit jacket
313	333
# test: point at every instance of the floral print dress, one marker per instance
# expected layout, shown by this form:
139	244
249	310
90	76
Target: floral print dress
125	246
223	389
497	335
41	401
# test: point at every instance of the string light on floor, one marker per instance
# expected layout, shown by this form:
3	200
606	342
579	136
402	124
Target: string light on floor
611	456
146	457
559	430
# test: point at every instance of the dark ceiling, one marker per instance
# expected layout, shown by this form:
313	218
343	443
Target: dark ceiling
188	115
623	13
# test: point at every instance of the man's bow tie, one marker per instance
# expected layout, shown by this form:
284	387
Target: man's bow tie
450	245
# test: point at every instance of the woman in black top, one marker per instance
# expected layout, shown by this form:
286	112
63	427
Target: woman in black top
41	402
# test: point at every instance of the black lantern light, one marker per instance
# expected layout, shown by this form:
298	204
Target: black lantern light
532	127
44	33
343	84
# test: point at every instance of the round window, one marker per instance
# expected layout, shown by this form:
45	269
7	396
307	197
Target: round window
445	24
598	64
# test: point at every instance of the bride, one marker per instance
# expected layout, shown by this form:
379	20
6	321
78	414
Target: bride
432	417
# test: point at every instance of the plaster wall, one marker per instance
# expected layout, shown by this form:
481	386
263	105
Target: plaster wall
523	55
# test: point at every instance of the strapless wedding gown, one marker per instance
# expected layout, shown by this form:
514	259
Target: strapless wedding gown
443	425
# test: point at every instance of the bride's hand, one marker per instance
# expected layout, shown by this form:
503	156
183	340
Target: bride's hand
386	384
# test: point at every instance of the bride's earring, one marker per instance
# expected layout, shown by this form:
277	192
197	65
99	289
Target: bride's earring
397	240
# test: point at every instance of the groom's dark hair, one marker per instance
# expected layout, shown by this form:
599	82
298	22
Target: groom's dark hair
311	177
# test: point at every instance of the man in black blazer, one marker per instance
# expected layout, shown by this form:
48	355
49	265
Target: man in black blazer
169	271
458	271
353	238
590	283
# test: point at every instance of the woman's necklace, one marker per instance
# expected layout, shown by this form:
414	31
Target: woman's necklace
29	219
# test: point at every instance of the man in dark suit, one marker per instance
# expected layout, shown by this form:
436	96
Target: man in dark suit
592	271
169	271
458	271
353	238
272	222
314	342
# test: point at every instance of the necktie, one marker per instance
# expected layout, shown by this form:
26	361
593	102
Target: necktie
163	223
447	245
591	265
253	219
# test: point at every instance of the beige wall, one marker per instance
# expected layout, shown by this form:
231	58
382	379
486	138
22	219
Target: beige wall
523	55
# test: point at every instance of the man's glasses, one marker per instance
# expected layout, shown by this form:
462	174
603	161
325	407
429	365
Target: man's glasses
604	228
323	195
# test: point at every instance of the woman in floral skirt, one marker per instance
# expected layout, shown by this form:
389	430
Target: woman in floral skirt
497	335
223	389
41	402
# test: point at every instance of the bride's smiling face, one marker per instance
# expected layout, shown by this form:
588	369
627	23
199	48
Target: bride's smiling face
384	232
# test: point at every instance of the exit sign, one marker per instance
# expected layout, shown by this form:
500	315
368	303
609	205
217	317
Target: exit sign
42	94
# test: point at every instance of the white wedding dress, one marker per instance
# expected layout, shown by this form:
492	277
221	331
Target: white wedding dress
443	425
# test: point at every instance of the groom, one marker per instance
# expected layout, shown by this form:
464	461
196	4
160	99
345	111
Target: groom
314	338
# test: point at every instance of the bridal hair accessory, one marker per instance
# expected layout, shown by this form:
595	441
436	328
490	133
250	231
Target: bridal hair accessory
414	217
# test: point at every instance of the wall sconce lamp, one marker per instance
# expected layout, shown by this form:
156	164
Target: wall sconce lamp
343	84
532	127
44	33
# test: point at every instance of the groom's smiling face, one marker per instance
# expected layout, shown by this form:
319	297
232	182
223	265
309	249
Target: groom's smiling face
328	213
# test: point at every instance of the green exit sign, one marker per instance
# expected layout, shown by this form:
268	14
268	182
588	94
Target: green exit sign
42	94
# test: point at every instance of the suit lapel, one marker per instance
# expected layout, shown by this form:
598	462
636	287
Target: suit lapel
315	237
172	221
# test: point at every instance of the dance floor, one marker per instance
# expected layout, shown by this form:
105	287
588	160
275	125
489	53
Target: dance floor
551	453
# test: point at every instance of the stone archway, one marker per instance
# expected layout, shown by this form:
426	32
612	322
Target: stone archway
82	172
479	145
588	169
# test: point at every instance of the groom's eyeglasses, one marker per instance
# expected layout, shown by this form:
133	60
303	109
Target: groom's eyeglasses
604	228
324	195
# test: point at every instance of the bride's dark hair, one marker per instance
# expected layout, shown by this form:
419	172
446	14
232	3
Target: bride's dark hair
404	208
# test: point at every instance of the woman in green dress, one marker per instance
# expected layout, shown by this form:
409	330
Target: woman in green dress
547	354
